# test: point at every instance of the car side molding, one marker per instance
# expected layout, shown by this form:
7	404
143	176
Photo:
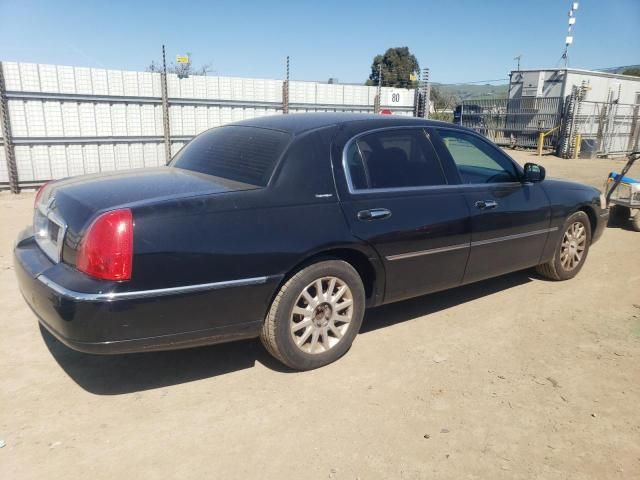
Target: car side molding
477	243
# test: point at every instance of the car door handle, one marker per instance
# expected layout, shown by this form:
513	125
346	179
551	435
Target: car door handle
374	214
486	204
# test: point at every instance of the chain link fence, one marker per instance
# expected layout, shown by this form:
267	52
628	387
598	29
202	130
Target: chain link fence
59	121
512	122
572	126
606	128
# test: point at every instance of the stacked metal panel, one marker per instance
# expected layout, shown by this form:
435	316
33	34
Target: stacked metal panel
69	121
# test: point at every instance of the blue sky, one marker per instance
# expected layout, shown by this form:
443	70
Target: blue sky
461	41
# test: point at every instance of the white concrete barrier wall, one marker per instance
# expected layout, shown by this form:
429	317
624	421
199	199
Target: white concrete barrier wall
69	120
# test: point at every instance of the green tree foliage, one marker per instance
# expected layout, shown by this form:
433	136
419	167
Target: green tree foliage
442	100
398	65
634	71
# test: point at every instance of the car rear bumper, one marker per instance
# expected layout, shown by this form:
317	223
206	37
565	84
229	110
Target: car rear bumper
97	322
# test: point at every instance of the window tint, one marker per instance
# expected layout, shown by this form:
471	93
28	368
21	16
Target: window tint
394	159
477	161
242	154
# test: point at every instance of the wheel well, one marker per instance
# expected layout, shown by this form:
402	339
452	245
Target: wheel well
593	221
355	258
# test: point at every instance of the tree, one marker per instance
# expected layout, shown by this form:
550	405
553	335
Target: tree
397	65
633	71
183	70
441	99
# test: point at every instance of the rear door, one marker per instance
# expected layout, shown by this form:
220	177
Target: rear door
509	219
397	197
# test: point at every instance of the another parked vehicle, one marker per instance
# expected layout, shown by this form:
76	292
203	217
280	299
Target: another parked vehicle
288	228
473	116
623	194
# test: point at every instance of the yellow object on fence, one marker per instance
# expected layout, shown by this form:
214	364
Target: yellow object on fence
576	149
541	137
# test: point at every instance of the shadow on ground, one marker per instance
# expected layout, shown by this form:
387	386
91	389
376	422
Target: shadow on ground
120	374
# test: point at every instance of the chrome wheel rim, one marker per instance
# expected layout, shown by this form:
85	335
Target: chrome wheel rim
321	315
573	246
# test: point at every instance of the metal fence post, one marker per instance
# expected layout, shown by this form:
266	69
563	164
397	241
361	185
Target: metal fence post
165	108
285	91
5	126
634	135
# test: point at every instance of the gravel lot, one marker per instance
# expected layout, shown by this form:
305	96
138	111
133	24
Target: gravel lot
515	377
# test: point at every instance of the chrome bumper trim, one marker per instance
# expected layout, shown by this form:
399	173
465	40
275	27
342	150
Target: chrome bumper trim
158	292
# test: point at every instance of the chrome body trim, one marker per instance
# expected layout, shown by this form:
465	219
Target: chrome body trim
158	292
402	256
513	237
420	253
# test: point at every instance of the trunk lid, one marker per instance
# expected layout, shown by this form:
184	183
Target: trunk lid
71	203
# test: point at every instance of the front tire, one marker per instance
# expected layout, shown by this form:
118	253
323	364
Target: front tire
619	214
571	251
315	316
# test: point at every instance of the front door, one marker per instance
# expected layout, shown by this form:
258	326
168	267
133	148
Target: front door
398	199
509	219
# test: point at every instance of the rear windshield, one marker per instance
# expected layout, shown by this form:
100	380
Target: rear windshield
242	154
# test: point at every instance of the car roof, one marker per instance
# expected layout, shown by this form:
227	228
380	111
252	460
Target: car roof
296	123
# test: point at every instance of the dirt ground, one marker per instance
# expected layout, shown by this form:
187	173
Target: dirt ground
515	377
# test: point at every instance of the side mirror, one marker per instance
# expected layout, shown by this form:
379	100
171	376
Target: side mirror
533	173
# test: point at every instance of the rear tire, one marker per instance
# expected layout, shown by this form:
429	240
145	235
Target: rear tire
571	251
315	316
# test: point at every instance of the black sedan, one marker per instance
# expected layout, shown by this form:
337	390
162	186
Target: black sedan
287	228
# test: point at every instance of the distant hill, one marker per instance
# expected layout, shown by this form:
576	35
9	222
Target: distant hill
617	69
469	90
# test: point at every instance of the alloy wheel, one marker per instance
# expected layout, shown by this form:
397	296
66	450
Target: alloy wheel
574	243
321	315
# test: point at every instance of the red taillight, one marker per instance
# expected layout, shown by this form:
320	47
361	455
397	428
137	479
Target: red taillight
39	192
106	251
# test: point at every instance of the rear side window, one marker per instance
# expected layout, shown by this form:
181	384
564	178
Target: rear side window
393	159
242	154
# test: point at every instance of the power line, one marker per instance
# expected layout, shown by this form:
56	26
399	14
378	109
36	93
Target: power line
476	81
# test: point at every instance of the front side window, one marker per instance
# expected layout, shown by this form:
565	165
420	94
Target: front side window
393	159
476	160
242	154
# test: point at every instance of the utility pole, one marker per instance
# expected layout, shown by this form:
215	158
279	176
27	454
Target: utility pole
518	59
569	39
165	108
